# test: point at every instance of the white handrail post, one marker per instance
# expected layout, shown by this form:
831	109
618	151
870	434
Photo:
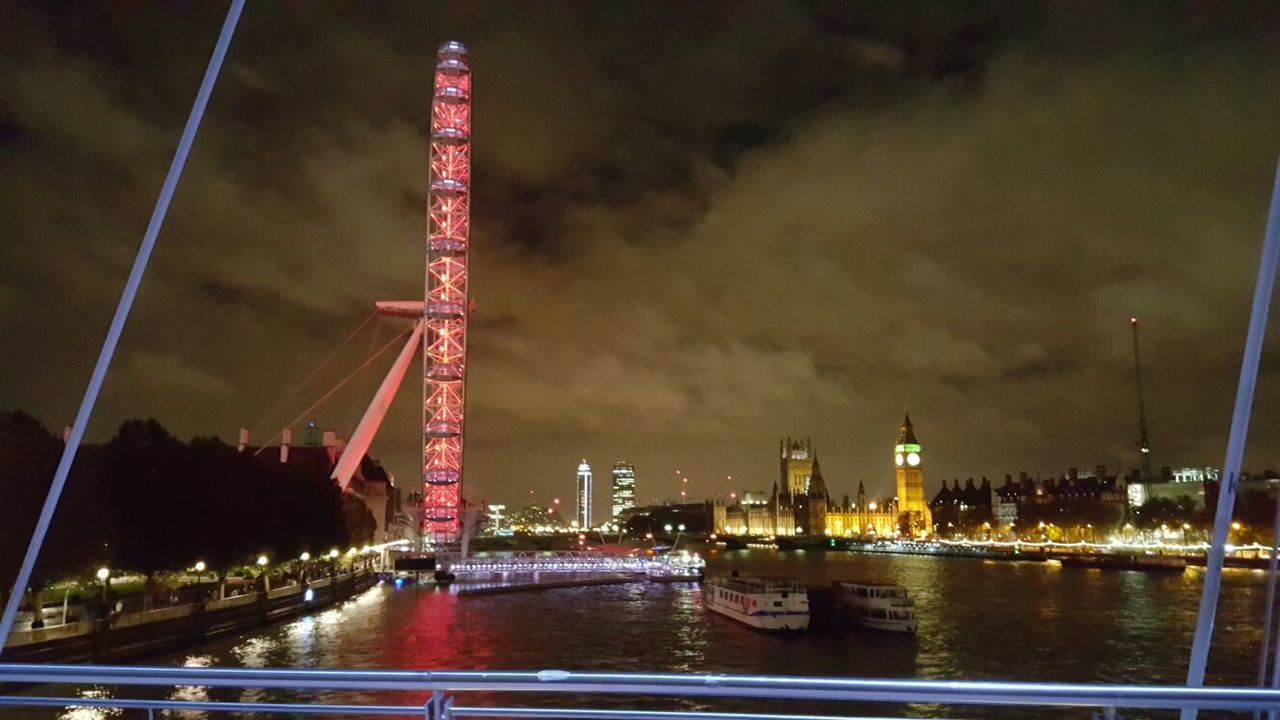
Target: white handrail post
117	322
1235	447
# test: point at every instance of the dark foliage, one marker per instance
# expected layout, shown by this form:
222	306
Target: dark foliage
147	502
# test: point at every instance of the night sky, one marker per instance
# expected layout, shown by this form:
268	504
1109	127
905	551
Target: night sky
697	227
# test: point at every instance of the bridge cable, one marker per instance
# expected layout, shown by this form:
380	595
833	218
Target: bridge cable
354	407
108	351
335	388
312	374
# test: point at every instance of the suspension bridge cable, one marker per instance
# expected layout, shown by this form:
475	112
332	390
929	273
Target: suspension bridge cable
316	369
335	388
355	406
131	285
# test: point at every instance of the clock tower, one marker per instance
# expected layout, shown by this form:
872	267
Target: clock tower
908	461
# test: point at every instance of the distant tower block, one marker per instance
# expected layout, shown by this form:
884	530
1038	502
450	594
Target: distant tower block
444	362
908	459
624	488
583	509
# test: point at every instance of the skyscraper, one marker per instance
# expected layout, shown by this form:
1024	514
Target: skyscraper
624	487
583	510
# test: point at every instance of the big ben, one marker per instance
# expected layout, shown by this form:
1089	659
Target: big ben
908	459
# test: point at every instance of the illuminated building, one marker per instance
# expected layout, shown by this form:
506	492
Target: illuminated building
862	518
1187	481
908	459
802	495
966	510
624	488
799	504
1092	497
582	512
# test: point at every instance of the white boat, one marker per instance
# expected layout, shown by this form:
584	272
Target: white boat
766	604
878	606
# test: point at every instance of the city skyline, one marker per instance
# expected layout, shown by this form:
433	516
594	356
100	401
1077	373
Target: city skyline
915	221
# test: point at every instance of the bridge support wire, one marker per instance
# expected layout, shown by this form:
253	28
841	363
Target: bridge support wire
1235	447
296	388
341	384
122	314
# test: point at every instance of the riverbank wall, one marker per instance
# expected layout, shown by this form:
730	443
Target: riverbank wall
136	634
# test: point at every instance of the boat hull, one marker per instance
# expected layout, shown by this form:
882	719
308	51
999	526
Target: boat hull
762	620
898	626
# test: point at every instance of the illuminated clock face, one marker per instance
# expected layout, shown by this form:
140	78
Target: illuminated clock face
913	459
898	459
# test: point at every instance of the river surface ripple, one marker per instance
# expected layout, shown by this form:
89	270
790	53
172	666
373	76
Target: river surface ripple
977	620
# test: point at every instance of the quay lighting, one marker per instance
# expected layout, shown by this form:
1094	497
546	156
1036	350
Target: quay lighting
103	574
667	527
309	595
262	560
200	566
681	527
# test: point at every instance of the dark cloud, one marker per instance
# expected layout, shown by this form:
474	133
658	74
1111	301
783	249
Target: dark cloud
696	226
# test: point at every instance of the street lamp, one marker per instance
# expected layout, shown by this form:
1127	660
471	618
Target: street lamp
199	568
266	579
305	556
104	574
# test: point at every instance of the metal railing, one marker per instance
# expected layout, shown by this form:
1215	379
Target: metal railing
570	562
439	690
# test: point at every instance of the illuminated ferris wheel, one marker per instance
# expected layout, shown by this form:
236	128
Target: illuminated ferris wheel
446	304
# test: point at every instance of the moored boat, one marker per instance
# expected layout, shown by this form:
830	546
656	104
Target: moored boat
1109	561
762	603
878	606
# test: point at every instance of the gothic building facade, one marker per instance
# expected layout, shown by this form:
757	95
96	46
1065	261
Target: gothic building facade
800	504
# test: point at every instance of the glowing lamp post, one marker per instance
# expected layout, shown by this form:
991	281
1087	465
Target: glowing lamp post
266	580
104	575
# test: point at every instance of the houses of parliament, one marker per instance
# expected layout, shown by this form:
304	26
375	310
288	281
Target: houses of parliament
799	503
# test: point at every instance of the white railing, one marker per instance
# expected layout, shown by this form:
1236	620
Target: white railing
571	562
434	694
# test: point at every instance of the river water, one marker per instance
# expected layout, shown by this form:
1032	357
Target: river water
978	619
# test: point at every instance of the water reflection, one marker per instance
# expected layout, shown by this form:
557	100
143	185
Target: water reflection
978	619
90	713
191	693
